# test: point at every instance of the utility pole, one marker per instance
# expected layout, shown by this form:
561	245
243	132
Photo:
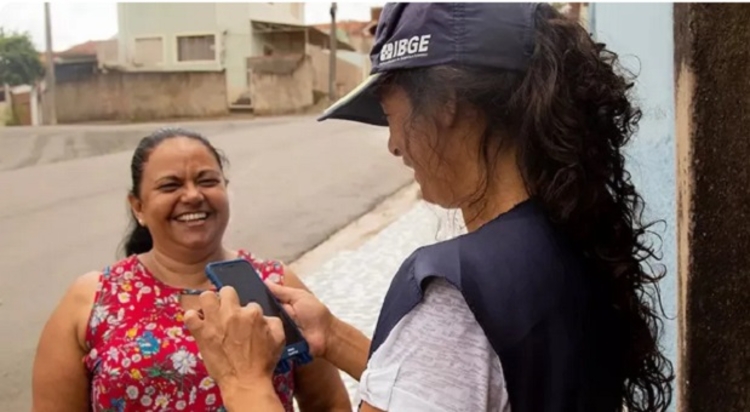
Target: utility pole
49	78
332	63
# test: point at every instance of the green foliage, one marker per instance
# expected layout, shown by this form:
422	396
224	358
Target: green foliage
19	60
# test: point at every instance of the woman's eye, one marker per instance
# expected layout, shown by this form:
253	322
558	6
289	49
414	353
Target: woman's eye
169	187
209	182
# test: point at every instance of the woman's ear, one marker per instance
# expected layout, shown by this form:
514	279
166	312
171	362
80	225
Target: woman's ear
136	206
448	113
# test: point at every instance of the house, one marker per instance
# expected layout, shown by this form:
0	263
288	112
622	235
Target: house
357	33
175	60
77	62
309	47
226	38
360	34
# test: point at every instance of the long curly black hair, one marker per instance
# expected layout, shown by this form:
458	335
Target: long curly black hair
569	116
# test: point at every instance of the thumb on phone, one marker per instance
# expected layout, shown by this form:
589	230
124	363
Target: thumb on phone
285	294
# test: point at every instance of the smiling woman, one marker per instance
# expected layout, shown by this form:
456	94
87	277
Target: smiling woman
126	322
183	201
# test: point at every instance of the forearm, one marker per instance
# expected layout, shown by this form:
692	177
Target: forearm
256	396
348	349
318	387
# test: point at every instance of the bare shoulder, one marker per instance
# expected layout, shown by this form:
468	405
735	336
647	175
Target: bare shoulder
84	287
78	302
73	309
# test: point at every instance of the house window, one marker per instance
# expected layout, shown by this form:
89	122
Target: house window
196	48
149	51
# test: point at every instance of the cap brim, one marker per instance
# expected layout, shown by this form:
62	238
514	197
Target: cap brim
360	105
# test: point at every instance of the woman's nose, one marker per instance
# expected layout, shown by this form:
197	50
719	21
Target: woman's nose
192	194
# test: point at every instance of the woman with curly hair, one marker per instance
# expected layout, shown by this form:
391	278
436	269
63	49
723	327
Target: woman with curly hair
514	115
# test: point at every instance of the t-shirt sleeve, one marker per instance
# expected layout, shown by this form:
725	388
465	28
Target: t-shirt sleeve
437	358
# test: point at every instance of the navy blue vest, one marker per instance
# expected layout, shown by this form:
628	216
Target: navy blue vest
530	292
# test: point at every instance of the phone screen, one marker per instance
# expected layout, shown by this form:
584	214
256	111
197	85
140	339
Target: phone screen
241	275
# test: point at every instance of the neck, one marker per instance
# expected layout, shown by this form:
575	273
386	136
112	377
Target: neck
184	270
503	193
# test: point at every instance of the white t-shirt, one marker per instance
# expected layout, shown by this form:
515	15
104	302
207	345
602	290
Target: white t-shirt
437	358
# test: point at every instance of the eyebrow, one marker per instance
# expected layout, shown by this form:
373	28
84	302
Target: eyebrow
208	172
203	173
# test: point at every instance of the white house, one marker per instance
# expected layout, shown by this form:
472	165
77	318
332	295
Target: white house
199	37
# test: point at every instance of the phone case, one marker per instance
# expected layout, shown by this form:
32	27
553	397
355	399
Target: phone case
297	353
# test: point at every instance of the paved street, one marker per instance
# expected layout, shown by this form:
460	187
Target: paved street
24	146
63	212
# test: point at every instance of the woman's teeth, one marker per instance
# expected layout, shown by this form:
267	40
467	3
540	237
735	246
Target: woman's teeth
190	217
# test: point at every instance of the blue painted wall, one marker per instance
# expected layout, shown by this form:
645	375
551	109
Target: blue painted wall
641	34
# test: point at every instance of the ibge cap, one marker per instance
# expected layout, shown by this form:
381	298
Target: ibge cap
411	35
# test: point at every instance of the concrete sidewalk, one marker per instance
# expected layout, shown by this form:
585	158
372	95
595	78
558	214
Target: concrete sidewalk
353	283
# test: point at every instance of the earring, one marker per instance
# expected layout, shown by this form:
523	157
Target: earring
140	222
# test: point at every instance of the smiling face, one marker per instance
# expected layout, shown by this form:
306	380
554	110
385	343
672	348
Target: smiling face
183	197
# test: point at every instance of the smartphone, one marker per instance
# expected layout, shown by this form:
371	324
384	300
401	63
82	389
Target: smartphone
242	276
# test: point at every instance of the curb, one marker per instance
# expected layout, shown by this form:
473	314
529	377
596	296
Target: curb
355	234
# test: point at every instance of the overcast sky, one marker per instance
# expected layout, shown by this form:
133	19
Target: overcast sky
74	23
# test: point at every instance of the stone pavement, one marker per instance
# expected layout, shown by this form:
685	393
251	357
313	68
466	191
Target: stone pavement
353	283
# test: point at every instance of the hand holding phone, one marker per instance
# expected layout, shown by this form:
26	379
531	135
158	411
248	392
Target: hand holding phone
243	277
310	315
244	331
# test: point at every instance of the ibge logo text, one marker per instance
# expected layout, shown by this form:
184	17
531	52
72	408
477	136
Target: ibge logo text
416	46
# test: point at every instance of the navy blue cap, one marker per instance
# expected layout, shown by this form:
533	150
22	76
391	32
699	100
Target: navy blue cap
411	35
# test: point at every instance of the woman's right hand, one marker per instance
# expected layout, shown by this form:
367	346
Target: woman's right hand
312	317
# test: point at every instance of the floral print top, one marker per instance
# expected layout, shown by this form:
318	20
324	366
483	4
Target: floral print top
142	357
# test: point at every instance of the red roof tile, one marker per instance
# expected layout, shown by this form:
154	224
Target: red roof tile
84	49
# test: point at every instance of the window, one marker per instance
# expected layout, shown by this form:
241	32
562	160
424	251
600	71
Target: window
196	48
149	51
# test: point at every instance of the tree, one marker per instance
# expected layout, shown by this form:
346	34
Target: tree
19	60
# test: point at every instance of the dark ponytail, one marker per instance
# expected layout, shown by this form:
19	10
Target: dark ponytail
138	239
